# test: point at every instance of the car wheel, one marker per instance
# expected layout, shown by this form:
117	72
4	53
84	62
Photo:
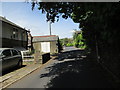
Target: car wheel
19	64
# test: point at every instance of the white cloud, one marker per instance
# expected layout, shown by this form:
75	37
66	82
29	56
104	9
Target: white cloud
72	31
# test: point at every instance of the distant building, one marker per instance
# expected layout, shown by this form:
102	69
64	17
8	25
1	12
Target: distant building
30	44
13	36
46	44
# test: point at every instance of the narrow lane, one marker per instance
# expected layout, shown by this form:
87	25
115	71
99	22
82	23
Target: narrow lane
70	70
37	79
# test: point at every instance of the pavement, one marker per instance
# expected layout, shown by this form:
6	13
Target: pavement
16	75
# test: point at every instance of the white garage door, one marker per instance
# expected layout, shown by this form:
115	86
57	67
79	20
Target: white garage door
45	47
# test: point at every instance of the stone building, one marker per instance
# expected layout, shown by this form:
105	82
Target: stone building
45	44
30	44
12	35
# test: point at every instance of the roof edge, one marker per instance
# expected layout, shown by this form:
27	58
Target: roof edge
45	36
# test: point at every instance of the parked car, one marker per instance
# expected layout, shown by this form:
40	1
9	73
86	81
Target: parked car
9	58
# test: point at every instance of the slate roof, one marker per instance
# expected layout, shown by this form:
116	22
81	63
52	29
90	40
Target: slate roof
9	22
45	38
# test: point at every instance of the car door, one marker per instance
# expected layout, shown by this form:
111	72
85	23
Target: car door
0	64
6	60
16	57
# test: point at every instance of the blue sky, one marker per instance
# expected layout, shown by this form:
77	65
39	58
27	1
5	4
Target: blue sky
21	14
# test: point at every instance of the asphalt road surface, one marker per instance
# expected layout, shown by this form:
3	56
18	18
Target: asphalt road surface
70	70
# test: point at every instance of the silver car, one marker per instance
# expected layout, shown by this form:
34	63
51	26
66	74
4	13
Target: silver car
9	57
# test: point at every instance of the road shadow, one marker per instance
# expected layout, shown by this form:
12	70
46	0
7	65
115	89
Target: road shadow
70	55
75	71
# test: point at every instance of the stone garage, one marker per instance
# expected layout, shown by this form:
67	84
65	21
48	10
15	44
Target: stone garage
45	44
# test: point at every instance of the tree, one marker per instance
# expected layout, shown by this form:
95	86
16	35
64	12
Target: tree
79	41
67	41
99	23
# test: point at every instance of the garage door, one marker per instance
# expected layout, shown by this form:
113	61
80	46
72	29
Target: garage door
45	47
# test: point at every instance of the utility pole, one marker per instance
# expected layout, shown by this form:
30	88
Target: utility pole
50	27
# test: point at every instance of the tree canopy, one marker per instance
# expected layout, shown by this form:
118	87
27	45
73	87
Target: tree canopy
97	20
79	41
100	23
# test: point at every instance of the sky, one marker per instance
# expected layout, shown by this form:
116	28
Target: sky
21	14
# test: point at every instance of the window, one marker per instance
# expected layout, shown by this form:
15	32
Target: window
23	33
7	53
15	52
15	33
